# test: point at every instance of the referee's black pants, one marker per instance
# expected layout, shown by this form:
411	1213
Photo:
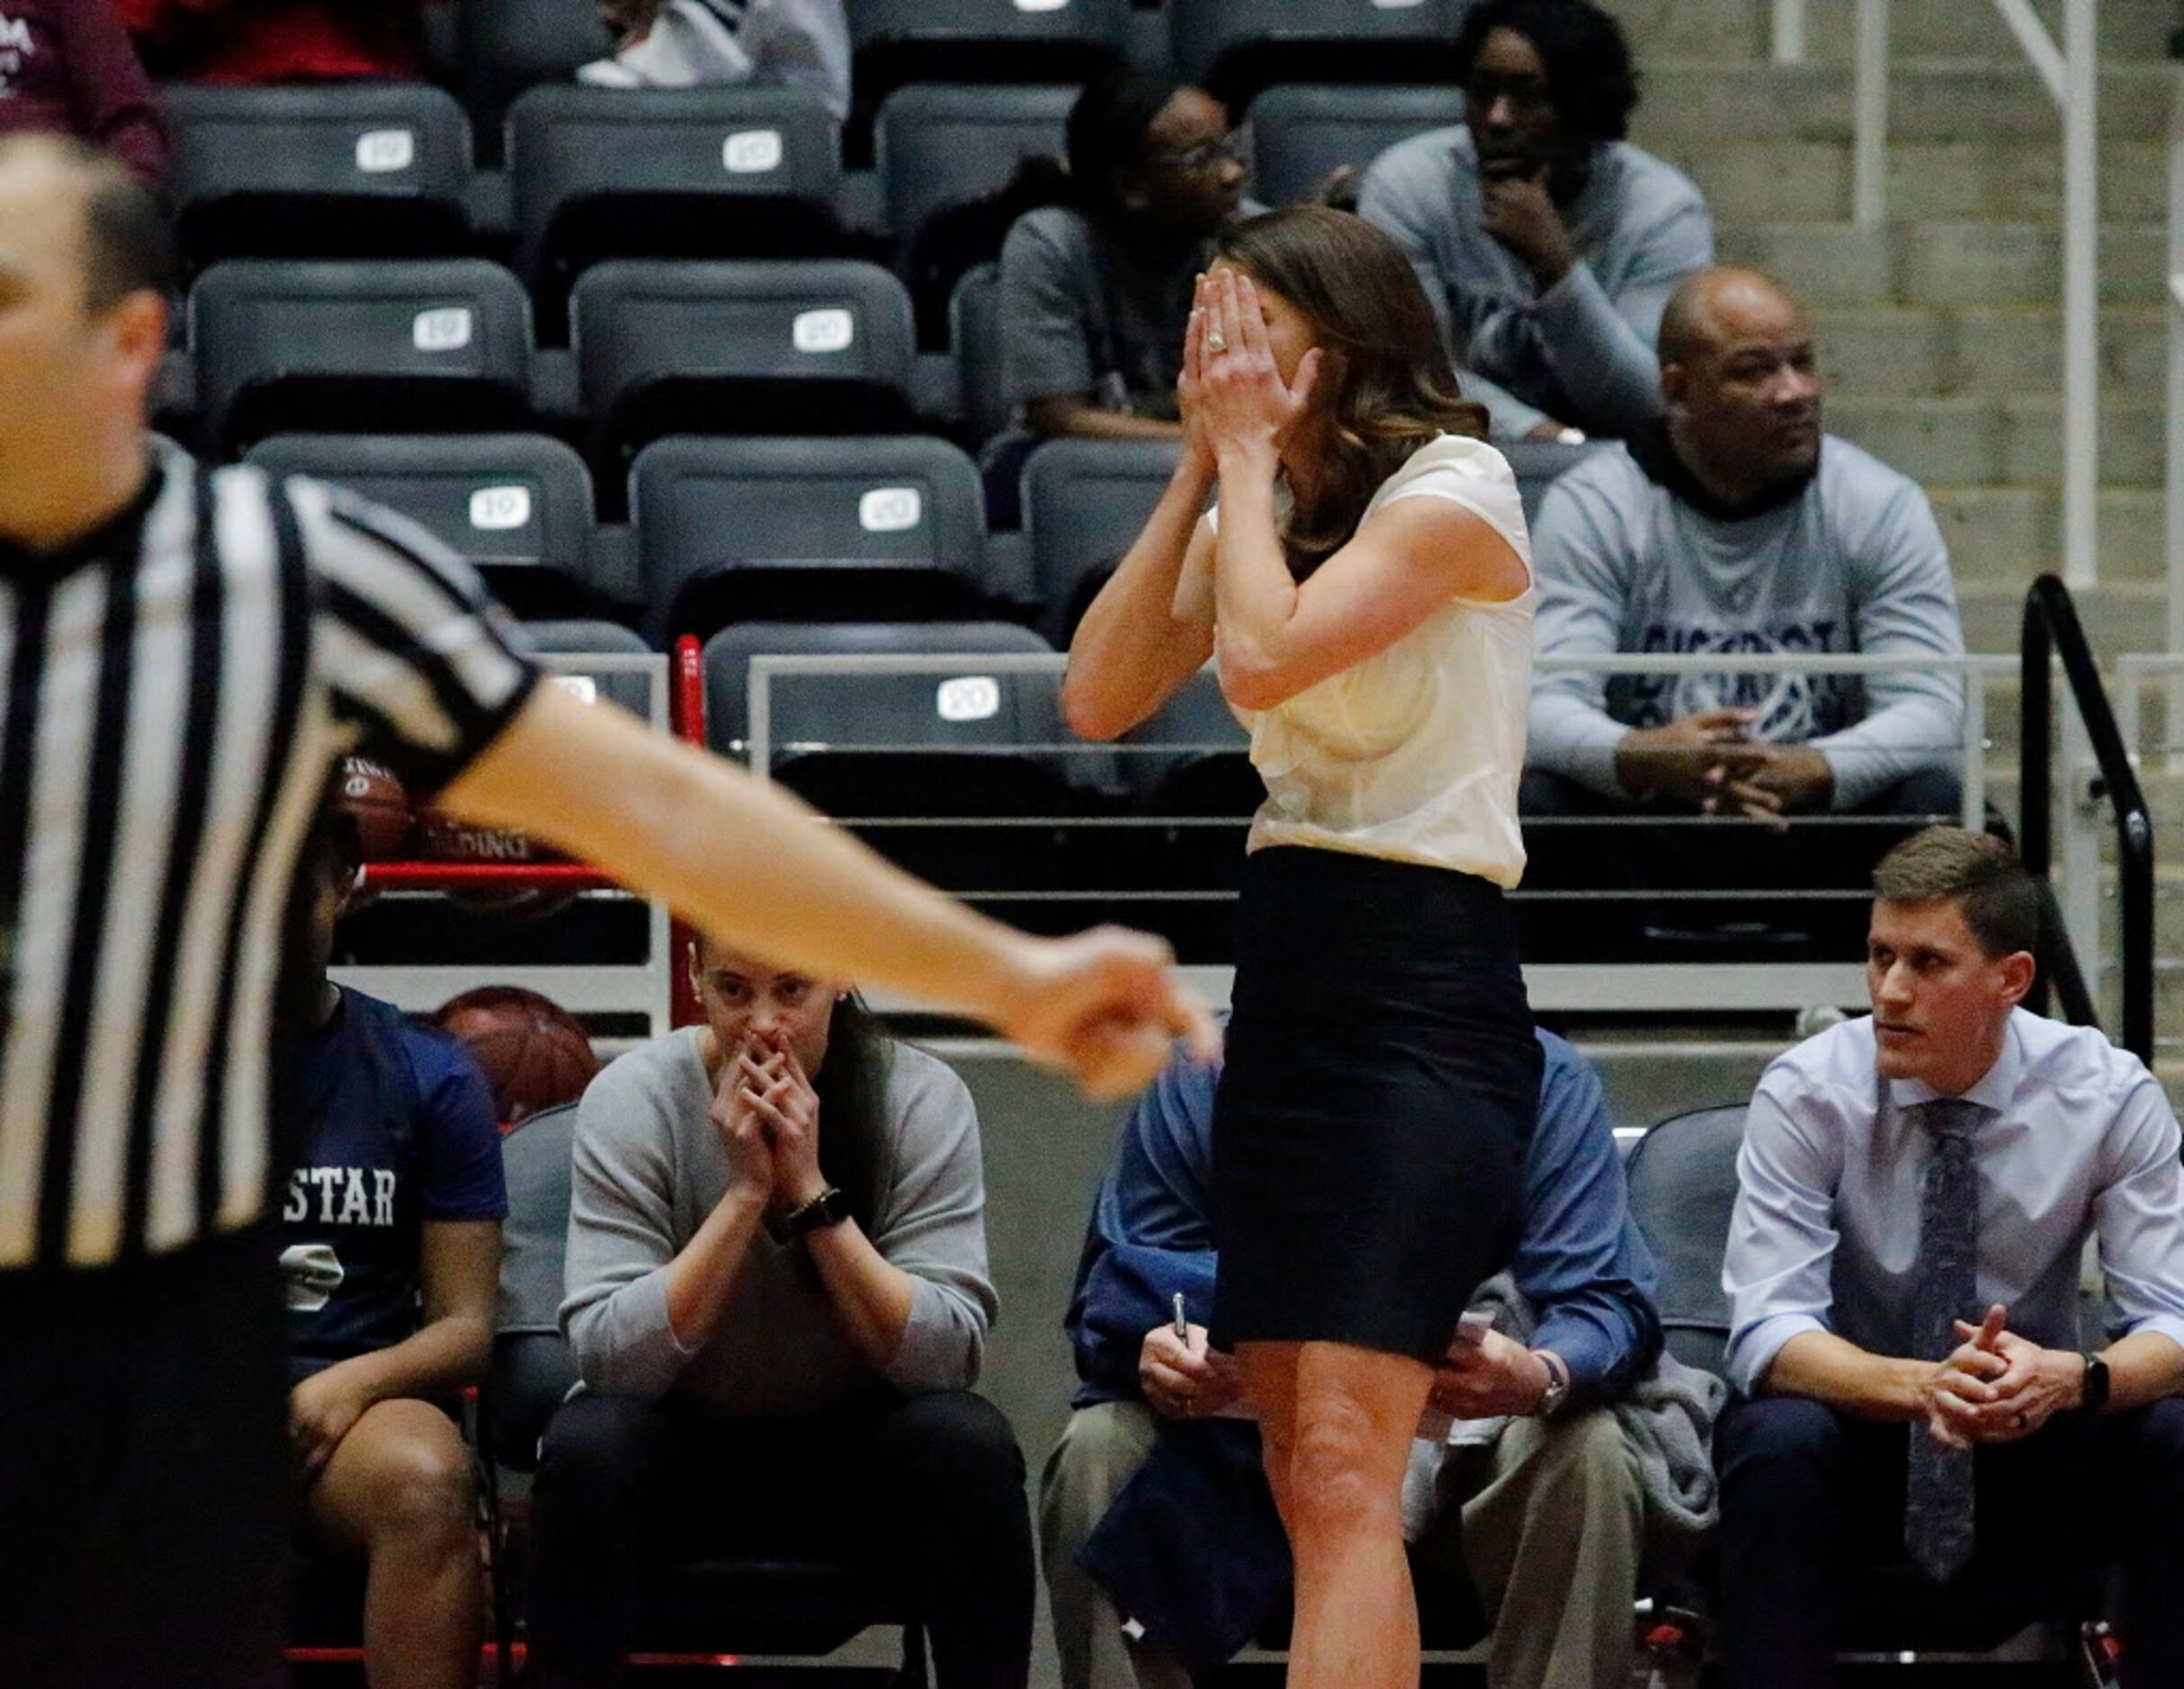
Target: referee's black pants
144	1473
926	1492
1809	1496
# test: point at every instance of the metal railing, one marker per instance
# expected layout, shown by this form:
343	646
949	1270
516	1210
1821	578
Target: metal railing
2071	74
1575	988
2051	631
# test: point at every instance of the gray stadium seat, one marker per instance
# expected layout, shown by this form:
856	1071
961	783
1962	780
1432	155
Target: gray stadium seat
1683	1183
885	526
1084	504
1301	132
513	504
361	169
974	337
584	638
940	144
1236	46
1539	463
713	173
947	751
507	46
1190	763
816	346
918	41
376	346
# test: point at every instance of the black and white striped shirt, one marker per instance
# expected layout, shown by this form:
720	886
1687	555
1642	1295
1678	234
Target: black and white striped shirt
174	691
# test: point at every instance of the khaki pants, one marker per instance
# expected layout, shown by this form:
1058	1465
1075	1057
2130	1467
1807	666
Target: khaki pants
1550	1533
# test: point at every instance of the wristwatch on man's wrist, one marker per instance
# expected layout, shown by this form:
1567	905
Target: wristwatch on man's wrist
2093	1388
1551	1400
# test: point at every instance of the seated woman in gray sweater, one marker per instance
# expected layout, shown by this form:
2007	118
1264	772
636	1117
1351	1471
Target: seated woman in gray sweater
777	1293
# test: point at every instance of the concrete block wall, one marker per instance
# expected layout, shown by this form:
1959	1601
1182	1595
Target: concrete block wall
1941	330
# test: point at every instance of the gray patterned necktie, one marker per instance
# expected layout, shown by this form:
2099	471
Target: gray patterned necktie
1937	1485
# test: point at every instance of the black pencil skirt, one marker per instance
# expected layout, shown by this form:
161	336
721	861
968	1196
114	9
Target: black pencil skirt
1379	1092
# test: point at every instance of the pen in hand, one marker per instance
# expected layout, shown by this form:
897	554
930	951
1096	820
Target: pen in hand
1182	1321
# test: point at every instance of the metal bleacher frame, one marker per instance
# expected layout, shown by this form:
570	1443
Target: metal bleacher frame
649	989
1617	988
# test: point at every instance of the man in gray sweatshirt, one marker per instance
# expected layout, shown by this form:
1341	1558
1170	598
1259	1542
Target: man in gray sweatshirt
1738	527
1546	242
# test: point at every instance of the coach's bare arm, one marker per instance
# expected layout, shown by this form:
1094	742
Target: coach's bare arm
755	869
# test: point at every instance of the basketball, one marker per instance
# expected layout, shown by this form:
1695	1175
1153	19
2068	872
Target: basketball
442	838
534	1052
369	795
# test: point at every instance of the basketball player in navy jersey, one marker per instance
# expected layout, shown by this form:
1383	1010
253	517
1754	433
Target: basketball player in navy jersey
390	1235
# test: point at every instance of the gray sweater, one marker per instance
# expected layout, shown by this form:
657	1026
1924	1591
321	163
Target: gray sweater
649	1166
1582	351
1853	562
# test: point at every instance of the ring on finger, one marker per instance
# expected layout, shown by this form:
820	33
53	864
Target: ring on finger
1216	342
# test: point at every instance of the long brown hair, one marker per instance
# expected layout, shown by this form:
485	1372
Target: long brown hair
1386	386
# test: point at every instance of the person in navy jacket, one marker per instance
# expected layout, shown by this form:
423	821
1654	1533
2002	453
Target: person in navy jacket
1156	1473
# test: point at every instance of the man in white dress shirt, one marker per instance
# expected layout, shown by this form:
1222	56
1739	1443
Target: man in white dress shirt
1914	1195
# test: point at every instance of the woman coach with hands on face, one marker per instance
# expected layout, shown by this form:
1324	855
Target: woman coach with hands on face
778	1296
1363	588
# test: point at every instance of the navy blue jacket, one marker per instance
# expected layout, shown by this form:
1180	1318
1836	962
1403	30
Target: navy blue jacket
1579	1259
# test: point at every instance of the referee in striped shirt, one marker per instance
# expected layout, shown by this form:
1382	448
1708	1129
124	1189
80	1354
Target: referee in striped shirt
183	654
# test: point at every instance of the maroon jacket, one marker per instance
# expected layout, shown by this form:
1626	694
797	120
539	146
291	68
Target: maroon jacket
66	65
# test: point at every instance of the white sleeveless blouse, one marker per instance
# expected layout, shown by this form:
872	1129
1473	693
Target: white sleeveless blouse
1414	754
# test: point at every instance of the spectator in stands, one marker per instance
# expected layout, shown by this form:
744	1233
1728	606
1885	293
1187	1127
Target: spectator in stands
66	65
1914	1196
1547	1494
1547	243
1095	290
778	1298
277	41
1737	526
698	43
389	1259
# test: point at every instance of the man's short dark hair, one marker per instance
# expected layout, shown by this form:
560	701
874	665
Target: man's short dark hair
2000	900
129	246
1589	75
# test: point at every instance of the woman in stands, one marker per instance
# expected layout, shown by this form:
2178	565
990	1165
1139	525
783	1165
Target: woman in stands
1363	588
1096	287
778	1298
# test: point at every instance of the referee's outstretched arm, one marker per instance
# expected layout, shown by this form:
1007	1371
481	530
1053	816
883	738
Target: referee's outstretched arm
758	870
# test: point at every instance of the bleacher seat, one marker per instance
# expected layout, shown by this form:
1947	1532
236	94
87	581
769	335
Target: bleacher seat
1538	464
897	41
584	636
1084	504
940	144
781	346
507	46
1683	1183
1301	132
974	337
793	528
515	504
697	172
946	751
359	169
1188	768
1237	47
377	346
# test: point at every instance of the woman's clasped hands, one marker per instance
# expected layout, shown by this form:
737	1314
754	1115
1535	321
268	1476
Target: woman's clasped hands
766	1113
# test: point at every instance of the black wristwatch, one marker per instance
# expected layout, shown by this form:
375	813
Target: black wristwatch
828	1208
2093	1391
